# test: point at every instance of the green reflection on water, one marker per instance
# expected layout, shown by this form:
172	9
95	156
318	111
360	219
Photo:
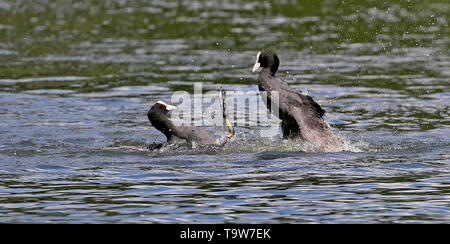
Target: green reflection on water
104	39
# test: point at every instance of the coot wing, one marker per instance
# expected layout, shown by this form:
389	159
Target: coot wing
308	116
294	105
192	133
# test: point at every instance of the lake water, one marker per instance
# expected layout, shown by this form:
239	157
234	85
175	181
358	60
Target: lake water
76	81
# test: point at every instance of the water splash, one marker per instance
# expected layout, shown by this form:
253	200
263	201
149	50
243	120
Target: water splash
250	143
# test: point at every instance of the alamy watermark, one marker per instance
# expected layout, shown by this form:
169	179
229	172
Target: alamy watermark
244	109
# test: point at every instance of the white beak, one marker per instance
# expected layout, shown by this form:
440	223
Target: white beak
257	64
255	68
168	107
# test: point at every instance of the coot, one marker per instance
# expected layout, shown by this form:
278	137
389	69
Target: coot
177	135
301	117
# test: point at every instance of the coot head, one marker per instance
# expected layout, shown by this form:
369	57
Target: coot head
267	60
161	107
158	117
158	113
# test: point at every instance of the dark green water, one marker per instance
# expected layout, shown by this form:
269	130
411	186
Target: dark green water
76	80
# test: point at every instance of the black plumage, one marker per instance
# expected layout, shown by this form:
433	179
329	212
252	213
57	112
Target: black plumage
175	134
301	117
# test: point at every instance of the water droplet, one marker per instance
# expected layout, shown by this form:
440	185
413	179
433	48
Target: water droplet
305	92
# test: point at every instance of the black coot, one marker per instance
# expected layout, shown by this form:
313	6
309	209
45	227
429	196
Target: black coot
301	117
181	134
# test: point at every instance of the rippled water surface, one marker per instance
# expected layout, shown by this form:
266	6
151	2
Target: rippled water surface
76	81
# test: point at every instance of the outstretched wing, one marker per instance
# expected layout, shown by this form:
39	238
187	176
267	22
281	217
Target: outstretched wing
295	106
308	116
301	116
292	98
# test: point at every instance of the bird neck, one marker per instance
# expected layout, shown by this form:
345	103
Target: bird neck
268	71
163	124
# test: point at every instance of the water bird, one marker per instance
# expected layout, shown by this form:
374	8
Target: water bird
301	117
176	134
